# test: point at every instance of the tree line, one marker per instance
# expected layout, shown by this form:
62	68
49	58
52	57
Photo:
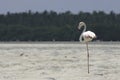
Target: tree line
53	26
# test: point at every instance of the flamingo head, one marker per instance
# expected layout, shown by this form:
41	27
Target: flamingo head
81	24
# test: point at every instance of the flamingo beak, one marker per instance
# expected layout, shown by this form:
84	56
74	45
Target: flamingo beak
79	26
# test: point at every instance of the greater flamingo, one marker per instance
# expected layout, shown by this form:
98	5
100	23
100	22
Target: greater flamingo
86	36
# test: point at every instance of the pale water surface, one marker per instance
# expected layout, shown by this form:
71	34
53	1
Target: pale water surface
59	61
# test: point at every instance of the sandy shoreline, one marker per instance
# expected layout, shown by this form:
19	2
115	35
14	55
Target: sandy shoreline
59	62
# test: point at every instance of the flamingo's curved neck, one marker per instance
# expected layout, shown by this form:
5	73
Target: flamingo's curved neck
82	33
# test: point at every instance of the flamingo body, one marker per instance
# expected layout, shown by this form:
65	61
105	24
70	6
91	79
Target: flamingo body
88	36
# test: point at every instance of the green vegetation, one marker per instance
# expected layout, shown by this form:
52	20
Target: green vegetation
49	26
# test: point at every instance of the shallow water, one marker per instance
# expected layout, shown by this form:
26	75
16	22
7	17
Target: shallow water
59	61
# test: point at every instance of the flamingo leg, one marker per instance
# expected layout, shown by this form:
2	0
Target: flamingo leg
87	57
